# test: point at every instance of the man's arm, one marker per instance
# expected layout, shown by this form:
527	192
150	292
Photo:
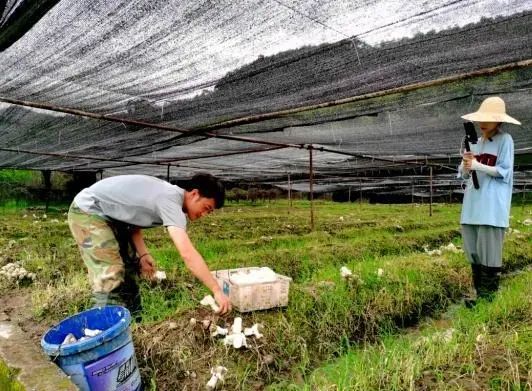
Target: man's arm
147	263
195	263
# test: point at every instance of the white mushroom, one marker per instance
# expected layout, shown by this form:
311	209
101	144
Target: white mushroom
160	275
219	331
237	326
206	323
345	272
91	332
70	338
218	374
237	340
209	300
253	330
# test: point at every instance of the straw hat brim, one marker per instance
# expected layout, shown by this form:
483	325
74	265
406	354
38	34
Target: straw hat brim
483	116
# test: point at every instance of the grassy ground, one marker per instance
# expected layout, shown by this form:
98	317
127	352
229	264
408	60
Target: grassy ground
7	379
488	347
326	318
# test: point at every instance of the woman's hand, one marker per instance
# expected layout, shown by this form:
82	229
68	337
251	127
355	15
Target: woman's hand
467	160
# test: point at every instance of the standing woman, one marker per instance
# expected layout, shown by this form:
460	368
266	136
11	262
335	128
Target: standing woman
486	210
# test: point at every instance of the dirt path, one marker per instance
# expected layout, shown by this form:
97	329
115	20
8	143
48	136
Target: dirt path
15	307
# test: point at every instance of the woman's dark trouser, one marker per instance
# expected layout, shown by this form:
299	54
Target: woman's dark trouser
483	247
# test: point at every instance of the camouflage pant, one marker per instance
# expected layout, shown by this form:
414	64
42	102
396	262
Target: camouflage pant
109	256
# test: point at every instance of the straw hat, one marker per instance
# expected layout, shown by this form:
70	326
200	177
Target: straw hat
491	110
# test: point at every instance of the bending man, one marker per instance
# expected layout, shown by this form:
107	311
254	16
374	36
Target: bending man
107	219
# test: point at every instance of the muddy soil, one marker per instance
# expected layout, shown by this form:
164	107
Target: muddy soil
15	307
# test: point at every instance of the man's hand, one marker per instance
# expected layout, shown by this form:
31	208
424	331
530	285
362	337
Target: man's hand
196	264
467	160
223	301
147	267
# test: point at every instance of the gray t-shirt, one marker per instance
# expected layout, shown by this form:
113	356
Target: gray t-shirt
139	200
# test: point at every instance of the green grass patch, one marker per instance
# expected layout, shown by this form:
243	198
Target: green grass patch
488	347
8	380
326	318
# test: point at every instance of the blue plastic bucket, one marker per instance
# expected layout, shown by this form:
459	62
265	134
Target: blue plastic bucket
105	362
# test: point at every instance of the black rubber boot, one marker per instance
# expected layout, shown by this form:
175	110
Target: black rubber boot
490	281
477	276
128	293
477	281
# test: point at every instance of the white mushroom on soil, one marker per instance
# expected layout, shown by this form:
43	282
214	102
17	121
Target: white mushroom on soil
219	331
345	272
159	275
253	330
218	374
15	272
209	300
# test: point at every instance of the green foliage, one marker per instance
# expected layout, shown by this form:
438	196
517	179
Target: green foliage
327	316
7	379
488	347
24	177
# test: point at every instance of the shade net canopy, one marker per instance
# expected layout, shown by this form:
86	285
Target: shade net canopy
244	89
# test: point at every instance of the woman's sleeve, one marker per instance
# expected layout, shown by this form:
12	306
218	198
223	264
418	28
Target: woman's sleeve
505	159
462	172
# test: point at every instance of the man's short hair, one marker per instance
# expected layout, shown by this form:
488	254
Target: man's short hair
208	186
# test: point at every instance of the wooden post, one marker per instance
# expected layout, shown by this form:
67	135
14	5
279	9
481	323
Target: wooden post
289	193
168	173
430	207
523	199
360	191
47	179
311	184
349	194
450	194
412	202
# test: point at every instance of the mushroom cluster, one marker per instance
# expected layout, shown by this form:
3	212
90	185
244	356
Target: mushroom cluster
15	272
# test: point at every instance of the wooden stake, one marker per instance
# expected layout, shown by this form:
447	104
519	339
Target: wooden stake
430	207
289	194
311	180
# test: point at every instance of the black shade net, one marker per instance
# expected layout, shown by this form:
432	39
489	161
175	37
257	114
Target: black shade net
244	89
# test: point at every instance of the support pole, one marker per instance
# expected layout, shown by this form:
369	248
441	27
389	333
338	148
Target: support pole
311	180
523	199
289	193
349	194
168	173
47	179
450	195
430	207
412	201
360	191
